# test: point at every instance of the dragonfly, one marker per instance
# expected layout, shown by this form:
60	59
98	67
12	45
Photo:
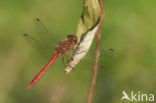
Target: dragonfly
63	48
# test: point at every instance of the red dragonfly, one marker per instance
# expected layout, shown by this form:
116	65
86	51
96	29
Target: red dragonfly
62	48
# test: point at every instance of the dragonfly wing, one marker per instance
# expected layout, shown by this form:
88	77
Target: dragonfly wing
105	60
44	34
107	57
44	49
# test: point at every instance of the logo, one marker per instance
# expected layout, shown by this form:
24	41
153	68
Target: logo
137	97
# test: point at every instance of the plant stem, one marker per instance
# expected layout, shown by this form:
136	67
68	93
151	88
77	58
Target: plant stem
95	71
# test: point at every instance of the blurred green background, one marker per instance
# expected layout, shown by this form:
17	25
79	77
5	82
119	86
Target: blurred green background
129	27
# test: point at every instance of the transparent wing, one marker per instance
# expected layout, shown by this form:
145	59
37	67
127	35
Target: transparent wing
44	34
46	50
105	60
107	56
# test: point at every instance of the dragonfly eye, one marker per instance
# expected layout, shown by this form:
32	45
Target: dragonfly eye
69	36
72	38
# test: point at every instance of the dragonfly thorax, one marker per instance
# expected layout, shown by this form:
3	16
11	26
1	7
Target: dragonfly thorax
66	45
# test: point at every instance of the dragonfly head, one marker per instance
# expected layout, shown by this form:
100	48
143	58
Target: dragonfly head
72	38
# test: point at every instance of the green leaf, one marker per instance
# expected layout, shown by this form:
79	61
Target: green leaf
90	17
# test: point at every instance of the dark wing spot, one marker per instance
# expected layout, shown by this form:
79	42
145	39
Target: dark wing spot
25	34
111	49
37	19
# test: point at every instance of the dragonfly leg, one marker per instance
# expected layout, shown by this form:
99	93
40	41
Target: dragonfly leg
68	60
63	60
